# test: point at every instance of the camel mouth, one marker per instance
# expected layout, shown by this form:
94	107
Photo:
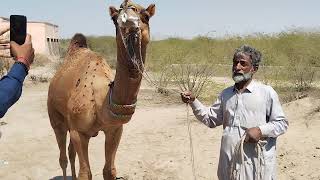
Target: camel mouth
132	42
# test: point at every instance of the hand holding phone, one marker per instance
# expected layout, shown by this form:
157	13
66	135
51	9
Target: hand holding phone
23	53
20	42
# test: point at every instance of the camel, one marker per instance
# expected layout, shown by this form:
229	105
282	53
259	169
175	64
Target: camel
83	99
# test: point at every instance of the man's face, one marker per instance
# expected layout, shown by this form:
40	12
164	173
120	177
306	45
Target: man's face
242	69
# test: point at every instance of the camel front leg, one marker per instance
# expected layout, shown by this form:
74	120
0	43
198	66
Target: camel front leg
80	144
113	136
72	159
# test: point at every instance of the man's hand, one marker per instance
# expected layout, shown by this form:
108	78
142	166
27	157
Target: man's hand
4	29
187	97
253	135
23	53
4	42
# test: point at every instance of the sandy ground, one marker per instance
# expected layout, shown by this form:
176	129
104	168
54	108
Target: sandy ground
154	145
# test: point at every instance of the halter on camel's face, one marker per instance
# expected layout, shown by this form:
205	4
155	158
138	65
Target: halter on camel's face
132	24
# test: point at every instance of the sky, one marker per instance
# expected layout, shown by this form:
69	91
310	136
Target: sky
174	18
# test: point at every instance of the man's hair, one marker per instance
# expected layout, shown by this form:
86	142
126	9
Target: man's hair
254	54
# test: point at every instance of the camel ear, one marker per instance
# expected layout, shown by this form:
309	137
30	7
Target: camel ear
113	11
151	9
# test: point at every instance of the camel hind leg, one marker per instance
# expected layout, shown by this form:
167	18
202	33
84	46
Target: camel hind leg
61	136
113	136
60	130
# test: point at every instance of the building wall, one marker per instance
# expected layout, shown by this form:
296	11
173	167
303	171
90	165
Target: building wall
37	32
52	40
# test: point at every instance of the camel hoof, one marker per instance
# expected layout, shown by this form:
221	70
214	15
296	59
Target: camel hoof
85	176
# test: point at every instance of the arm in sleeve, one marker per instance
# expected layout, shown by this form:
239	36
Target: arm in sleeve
210	116
278	123
11	87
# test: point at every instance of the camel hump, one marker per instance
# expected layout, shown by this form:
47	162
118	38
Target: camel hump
78	41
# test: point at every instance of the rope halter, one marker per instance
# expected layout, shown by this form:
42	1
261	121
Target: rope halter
116	110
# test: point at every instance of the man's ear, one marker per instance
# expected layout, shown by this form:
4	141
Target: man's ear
151	9
113	11
255	69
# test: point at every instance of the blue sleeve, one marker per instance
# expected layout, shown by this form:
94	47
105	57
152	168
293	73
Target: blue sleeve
11	87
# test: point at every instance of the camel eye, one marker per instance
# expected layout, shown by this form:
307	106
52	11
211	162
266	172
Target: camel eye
133	8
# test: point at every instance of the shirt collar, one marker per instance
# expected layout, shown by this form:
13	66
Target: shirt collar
250	86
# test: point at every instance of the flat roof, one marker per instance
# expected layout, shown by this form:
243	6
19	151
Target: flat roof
49	24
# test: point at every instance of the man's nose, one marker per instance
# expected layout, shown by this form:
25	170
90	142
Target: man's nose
238	67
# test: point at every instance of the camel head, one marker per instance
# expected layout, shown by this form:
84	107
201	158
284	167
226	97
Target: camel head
132	30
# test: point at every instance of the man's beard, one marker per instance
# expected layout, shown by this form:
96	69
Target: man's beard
241	77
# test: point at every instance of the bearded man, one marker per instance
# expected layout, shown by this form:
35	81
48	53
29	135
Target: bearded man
249	110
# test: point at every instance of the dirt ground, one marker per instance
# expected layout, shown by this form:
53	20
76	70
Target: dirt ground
154	145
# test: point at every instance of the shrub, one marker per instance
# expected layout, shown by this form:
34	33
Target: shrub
40	60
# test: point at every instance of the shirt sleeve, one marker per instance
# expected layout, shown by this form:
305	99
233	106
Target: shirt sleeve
210	116
11	87
277	123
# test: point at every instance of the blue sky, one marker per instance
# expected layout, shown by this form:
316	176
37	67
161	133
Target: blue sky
174	18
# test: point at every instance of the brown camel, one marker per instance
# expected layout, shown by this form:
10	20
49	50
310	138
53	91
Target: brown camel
82	98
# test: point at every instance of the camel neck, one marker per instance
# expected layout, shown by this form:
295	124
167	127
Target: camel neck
126	82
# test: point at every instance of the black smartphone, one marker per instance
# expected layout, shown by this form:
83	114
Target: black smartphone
18	28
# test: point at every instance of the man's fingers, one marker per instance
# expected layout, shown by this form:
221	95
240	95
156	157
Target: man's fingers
4	46
247	138
13	44
4	41
4	29
5	54
4	38
28	39
32	56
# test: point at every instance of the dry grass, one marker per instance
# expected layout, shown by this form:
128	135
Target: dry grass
291	60
40	60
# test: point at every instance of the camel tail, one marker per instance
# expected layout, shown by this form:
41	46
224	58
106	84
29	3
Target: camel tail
77	41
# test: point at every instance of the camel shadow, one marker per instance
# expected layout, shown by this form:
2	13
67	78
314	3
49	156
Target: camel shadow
61	178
